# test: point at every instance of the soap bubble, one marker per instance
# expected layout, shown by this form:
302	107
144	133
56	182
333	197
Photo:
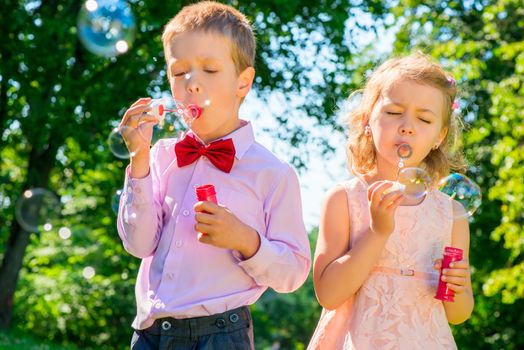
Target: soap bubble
463	190
37	209
118	145
106	27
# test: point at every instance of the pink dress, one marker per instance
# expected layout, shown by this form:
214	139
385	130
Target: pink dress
395	308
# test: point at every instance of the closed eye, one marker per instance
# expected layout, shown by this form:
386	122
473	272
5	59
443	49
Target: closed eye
179	74
210	71
425	121
394	113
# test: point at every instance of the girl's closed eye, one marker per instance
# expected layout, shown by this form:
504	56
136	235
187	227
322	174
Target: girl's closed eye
425	120
210	70
393	113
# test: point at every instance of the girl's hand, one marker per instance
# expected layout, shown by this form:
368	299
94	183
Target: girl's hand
456	275
382	207
138	126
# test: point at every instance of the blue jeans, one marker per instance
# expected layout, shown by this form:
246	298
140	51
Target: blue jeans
229	330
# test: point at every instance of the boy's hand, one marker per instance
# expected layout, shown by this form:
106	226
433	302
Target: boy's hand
382	207
218	226
456	275
138	127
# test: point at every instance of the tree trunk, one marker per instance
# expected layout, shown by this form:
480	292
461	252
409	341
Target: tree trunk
39	169
9	271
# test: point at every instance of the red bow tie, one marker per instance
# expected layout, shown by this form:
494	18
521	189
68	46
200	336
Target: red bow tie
220	153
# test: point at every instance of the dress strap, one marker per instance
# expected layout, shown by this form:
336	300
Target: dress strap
405	272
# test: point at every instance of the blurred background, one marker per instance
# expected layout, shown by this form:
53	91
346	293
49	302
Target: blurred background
65	280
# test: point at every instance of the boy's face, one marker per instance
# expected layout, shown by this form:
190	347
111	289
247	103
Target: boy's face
200	67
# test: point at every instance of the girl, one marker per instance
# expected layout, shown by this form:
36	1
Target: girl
376	262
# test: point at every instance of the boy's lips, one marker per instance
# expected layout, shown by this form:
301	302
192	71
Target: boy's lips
195	110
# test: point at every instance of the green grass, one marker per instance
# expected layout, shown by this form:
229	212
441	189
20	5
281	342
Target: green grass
18	340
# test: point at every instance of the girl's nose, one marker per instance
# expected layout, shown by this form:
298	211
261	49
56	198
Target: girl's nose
406	130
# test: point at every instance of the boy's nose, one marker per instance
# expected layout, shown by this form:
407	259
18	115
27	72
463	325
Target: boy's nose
193	88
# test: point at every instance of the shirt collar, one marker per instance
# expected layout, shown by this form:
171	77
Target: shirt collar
243	138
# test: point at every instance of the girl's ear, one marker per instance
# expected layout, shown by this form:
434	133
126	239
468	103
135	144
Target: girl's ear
442	136
245	81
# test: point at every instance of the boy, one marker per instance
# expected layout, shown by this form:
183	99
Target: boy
203	263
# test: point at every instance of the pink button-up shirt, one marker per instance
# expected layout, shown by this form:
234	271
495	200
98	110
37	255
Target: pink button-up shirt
181	277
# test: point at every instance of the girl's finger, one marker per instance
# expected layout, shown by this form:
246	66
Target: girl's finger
459	281
455	272
377	194
372	187
395	201
456	288
462	264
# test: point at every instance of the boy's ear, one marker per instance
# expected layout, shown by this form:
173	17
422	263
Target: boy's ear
245	81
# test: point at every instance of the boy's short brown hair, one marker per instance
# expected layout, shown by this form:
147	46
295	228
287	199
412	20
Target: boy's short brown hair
219	18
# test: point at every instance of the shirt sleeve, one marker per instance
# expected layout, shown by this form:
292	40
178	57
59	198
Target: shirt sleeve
140	213
284	258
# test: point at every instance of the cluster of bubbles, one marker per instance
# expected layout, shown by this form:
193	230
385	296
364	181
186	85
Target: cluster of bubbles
414	183
106	27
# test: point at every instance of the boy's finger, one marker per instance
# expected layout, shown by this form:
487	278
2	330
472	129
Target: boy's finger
204	218
134	114
141	101
203	228
207	206
203	238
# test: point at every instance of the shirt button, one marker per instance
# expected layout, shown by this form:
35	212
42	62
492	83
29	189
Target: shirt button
195	185
185	212
129	189
178	243
138	190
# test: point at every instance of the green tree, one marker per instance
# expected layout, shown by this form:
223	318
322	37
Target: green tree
482	43
58	103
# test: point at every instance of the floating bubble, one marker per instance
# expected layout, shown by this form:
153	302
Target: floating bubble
463	190
106	27
37	209
117	143
414	184
115	201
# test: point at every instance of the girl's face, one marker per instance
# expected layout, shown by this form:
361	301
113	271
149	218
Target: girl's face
407	113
